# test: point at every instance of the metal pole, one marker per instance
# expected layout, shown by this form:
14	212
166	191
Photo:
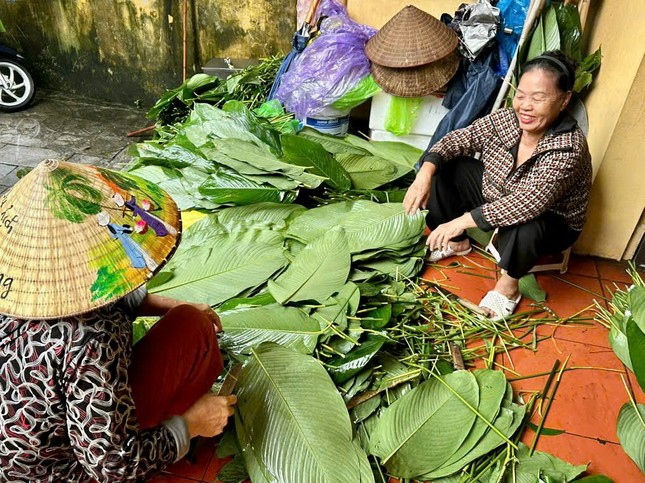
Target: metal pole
185	14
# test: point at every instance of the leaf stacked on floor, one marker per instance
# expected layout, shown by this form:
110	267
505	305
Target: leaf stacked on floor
381	237
292	424
406	439
226	254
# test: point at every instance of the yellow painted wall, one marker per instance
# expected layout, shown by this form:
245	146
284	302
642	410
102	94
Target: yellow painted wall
377	12
616	109
618	194
622	38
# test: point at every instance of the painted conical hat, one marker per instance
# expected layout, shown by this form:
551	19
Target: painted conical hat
416	81
74	238
410	39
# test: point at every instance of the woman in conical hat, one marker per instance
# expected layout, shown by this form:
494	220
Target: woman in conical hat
77	401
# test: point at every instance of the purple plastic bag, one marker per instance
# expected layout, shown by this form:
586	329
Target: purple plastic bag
329	67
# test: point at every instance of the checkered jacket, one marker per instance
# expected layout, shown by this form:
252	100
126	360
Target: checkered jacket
556	178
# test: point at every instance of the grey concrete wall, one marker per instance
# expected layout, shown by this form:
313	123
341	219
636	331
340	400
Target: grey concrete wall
132	50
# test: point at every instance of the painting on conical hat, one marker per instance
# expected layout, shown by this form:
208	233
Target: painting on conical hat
75	237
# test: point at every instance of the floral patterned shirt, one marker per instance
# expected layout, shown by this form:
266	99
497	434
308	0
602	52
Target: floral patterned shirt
557	177
66	410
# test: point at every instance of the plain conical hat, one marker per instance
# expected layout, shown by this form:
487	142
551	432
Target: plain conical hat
410	39
70	243
416	81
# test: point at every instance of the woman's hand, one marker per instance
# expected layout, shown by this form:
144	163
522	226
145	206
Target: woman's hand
441	236
419	191
209	415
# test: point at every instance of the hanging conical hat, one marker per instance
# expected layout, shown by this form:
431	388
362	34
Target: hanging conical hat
75	238
410	39
416	81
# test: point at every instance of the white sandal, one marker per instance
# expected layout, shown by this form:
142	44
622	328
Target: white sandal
498	303
439	254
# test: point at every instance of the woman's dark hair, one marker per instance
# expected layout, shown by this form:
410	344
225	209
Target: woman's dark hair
559	64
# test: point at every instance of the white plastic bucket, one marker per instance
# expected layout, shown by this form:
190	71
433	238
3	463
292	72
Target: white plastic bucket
335	126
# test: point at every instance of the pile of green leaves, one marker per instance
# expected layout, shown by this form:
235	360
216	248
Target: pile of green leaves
472	411
250	86
625	319
558	28
232	157
310	263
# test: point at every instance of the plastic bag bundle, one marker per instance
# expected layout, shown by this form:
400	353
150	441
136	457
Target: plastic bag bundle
402	114
513	14
330	67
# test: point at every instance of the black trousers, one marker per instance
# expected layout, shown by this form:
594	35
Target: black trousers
457	189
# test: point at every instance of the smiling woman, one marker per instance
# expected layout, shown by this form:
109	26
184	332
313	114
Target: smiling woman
532	181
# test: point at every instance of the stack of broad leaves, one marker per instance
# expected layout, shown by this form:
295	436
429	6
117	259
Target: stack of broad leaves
626	322
380	238
559	28
445	423
291	423
226	157
319	306
370	165
251	86
231	156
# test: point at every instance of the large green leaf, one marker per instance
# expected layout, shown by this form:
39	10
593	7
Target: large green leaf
256	469
336	309
636	344
249	122
276	215
540	467
264	160
507	422
233	472
370	172
620	345
537	45
341	369
570	30
294	424
313	157
631	433
397	269
405	437
551	30
368	225
332	144
245	328
232	188
636	301
529	287
399	153
317	272
222	268
492	387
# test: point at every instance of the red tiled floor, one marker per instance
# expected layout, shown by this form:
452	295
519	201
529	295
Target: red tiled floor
588	400
582	266
612	270
196	470
607	459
